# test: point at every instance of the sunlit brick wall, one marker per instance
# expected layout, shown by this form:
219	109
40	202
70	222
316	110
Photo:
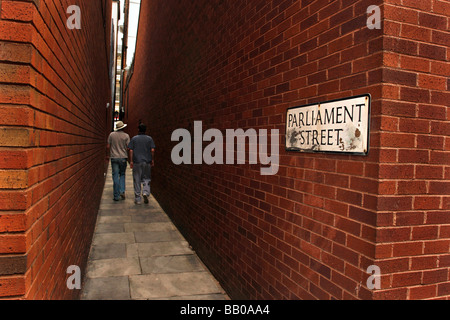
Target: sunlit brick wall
413	238
53	124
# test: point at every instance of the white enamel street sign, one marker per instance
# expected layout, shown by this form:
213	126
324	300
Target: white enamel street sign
338	126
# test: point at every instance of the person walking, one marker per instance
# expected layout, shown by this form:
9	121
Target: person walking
118	150
141	157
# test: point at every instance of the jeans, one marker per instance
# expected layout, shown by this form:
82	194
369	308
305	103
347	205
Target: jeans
141	175
119	167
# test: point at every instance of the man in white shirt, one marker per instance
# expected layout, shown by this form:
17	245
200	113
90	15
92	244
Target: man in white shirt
118	149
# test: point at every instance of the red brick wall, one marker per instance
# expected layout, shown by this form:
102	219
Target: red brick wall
413	238
53	125
312	230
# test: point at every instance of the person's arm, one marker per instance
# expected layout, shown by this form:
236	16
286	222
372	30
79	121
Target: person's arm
130	153
153	157
130	157
108	148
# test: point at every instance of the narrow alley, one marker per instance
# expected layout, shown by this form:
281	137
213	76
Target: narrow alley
299	150
137	253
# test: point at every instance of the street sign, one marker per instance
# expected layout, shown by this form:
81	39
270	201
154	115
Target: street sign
337	126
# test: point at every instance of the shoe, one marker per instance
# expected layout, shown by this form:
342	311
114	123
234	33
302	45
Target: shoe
122	196
145	198
138	202
116	199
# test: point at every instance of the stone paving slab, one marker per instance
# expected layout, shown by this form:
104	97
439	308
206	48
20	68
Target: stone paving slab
170	285
171	264
148	227
106	238
109	251
137	253
109	288
111	228
168	248
157	236
102	268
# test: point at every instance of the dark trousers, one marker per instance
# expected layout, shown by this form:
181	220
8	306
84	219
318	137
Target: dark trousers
119	167
141	175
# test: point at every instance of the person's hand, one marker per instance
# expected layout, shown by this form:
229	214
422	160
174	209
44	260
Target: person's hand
131	165
153	163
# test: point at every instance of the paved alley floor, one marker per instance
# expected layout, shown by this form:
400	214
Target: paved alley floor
138	254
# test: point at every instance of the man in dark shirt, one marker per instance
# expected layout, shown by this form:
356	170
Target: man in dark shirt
141	157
